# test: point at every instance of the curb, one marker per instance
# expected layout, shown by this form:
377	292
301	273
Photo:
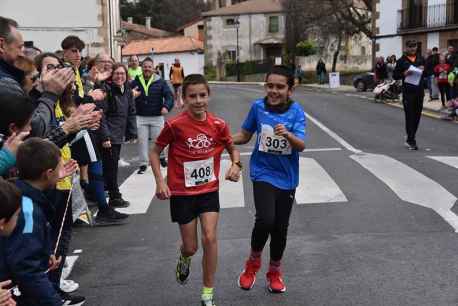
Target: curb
235	83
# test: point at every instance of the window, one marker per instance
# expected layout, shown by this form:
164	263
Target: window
230	22
363	51
231	55
274	24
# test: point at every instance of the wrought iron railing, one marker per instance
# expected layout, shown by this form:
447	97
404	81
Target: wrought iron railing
428	16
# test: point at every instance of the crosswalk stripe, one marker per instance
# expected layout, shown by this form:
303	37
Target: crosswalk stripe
231	194
139	190
315	185
448	160
410	185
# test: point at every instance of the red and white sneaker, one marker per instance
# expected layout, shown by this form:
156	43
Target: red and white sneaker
248	276
275	282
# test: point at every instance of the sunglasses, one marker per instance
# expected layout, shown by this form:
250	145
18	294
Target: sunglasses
52	66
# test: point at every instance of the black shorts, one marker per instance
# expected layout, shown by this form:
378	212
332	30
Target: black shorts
184	209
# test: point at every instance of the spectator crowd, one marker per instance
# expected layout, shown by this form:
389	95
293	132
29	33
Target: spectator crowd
440	76
63	122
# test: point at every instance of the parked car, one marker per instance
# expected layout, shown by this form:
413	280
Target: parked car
365	81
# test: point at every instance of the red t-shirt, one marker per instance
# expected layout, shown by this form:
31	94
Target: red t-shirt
195	149
441	72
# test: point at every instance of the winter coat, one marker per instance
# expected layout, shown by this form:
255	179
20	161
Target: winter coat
154	98
119	121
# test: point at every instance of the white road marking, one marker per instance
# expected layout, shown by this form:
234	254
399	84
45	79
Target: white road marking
231	194
448	160
139	190
333	135
305	151
69	264
316	186
410	185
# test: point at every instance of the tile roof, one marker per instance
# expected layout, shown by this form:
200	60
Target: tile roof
163	45
153	32
248	7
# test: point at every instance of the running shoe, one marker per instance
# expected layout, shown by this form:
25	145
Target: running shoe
275	282
411	145
248	277
182	270
142	169
72	300
68	286
208	302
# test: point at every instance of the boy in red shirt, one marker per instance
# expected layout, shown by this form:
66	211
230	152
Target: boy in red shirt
196	140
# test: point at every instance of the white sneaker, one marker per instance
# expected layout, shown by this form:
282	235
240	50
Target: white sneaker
68	286
123	163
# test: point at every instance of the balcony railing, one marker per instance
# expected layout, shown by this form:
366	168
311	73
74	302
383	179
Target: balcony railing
428	16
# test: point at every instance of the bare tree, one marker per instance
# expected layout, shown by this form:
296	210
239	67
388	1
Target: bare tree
331	20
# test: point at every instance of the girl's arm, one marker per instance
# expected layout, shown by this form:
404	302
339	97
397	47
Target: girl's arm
242	137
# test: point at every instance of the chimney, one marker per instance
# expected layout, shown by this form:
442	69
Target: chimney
148	22
130	19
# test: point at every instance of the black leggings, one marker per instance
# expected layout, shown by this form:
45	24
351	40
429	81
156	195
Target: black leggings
110	158
445	92
273	208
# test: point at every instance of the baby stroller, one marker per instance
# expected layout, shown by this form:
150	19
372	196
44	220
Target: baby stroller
388	90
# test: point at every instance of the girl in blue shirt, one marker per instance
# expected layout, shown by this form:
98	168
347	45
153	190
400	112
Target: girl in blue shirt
280	125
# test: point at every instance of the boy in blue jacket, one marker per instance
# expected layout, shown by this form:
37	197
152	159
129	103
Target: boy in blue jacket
27	253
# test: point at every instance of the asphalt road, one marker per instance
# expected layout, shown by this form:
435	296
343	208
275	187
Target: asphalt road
374	223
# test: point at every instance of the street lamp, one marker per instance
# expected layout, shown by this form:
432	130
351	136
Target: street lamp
237	25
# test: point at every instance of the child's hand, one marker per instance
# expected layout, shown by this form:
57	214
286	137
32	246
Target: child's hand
54	262
5	294
281	130
233	173
163	191
68	169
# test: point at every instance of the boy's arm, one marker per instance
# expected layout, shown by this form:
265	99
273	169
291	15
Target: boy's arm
233	174
162	190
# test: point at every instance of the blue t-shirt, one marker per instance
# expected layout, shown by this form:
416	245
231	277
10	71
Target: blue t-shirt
280	170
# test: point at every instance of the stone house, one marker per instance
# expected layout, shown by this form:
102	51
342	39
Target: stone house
433	23
260	25
47	22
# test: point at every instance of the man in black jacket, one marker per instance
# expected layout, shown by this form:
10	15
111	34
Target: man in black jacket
412	91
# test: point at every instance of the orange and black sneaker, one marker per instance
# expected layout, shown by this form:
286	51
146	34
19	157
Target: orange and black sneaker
248	277
275	282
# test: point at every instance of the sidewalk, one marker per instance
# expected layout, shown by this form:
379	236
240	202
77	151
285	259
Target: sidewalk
431	108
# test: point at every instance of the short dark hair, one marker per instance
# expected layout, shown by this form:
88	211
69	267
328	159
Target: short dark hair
411	43
15	109
147	59
284	71
39	59
120	65
5	28
10	197
194	79
35	156
72	41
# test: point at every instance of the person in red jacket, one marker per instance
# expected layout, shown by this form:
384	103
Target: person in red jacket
441	72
